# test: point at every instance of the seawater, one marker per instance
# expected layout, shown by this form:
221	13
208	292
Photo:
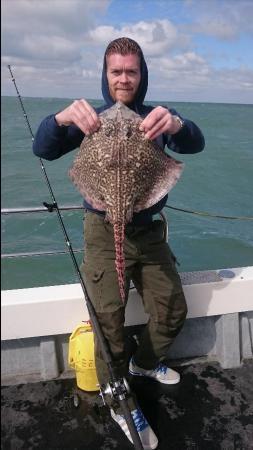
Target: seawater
217	181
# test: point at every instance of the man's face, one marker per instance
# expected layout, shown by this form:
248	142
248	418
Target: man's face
123	75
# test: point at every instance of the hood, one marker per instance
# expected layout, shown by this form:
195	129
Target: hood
140	95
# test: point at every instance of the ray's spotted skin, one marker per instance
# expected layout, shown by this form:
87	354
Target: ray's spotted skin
119	171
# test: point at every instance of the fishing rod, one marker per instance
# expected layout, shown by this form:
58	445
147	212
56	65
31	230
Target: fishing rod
117	387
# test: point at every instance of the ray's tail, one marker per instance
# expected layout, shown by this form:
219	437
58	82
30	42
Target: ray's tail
119	232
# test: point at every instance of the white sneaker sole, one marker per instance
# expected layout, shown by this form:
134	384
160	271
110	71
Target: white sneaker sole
138	374
123	425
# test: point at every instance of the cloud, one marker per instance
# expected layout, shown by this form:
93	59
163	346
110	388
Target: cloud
183	63
48	29
51	16
188	74
46	48
182	72
45	42
155	37
224	20
57	47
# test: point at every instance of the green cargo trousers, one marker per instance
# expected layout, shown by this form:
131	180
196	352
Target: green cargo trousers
150	264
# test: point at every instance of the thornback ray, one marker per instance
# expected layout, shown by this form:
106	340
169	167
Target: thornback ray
119	171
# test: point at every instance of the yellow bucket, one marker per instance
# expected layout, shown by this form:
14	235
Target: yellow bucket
81	357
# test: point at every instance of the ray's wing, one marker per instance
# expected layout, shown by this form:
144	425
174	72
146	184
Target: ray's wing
87	171
156	177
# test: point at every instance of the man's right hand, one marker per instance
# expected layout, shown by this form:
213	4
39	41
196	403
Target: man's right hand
81	114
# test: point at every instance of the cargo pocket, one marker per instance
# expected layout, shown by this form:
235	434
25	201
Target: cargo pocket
102	286
97	275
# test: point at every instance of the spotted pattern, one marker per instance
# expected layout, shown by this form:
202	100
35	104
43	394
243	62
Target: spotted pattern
118	171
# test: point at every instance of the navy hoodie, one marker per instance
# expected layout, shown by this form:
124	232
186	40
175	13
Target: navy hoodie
53	141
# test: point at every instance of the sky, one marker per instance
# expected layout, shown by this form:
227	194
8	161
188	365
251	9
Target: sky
196	50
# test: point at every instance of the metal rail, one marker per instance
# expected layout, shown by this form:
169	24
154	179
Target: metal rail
6	211
38	209
39	253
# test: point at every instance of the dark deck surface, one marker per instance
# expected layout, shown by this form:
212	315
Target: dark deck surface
211	408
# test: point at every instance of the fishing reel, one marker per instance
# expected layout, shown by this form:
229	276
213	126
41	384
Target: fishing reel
118	390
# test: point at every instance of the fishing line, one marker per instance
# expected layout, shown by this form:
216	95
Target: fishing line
206	214
117	387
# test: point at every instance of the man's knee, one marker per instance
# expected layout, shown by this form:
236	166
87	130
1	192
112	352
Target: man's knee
176	319
170	316
112	325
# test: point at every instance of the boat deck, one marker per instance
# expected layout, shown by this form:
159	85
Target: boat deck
211	408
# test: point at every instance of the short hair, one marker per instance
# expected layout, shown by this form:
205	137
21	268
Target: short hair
123	46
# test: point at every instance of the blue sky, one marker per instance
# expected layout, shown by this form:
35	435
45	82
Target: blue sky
196	50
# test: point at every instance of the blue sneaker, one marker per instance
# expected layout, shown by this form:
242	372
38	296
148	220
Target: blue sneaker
161	373
147	436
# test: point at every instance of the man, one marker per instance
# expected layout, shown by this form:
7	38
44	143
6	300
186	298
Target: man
149	262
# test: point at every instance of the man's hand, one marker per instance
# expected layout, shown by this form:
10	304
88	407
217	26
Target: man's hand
159	121
81	114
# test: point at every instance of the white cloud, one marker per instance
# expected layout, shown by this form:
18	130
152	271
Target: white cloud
57	47
184	62
92	74
45	43
155	37
223	20
50	16
185	69
48	29
50	47
188	75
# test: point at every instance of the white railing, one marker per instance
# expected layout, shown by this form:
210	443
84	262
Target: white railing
53	310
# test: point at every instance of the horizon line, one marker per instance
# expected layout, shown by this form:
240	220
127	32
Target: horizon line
146	101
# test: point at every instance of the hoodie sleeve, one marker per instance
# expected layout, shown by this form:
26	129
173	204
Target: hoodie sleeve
188	140
53	141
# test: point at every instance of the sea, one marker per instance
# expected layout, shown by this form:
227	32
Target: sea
217	182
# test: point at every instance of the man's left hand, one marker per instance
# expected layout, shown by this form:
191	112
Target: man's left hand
159	121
